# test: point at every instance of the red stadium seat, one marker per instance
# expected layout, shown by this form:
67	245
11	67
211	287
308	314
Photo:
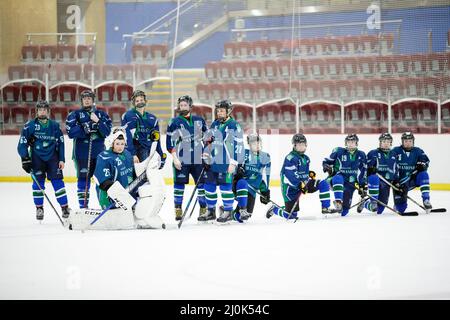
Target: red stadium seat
437	63
333	68
68	93
89	69
85	53
343	89
72	72
263	91
354	117
279	90
386	41
203	111
245	49
115	113
396	88
146	71
304	46
333	45
203	92
369	44
124	92
327	90
413	87
261	48
295	89
287	115
243	114
48	52
310	90
232	91
53	94
270	69
59	113
401	64
211	70
230	50
34	72
225	70
126	72
419	64
367	66
55	72
11	93
110	72
66	52
350	67
5	114
255	70
427	114
105	93
30	53
158	51
274	47
16	72
140	52
361	89
284	68
351	44
217	91
384	66
379	89
248	91
445	117
317	68
268	116
30	93
446	87
239	70
20	115
301	68
432	87
404	116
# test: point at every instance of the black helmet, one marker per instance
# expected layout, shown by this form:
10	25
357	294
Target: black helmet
138	93
224	104
186	98
298	138
407	136
40	105
253	137
385	136
352	137
87	93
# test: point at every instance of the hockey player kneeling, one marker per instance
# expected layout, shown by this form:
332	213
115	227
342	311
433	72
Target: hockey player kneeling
133	203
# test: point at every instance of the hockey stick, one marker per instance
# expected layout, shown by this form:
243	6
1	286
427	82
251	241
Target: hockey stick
277	205
46	197
190	199
192	211
414	201
357	204
131	187
404	214
88	170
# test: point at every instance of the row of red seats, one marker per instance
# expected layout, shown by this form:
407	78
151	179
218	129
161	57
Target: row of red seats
377	88
60	52
65	93
364	44
146	52
333	68
80	72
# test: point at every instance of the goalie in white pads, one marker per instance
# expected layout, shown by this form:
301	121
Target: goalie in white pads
132	207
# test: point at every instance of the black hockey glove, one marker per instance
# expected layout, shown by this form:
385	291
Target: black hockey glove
328	169
421	166
371	171
31	141
402	188
240	172
265	197
362	190
26	164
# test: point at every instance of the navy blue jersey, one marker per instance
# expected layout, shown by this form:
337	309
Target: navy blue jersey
295	170
185	136
257	170
385	162
227	146
139	129
407	160
115	167
81	140
45	139
351	165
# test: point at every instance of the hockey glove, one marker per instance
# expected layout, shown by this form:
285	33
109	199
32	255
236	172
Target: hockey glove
154	136
31	141
421	166
371	171
328	169
240	172
312	174
265	197
206	161
163	161
402	188
26	164
362	189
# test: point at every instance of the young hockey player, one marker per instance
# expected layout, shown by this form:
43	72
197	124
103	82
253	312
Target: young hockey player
142	129
296	178
41	148
184	141
412	164
253	175
222	153
380	161
347	167
88	127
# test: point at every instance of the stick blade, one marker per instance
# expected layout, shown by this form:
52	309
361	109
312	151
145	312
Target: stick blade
439	210
410	214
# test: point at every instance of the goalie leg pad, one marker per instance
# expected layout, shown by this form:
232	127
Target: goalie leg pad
121	197
114	219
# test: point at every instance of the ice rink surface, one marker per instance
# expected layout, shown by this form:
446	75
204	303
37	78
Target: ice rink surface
360	256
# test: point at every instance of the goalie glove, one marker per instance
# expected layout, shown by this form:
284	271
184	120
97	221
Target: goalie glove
121	197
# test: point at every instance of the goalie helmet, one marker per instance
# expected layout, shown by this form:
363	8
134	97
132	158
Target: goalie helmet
117	133
299	138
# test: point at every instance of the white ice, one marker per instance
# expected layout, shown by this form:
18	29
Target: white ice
361	256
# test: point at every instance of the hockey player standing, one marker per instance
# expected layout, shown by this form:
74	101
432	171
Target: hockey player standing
296	178
223	151
184	142
380	161
142	129
347	167
88	127
253	175
41	148
413	164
